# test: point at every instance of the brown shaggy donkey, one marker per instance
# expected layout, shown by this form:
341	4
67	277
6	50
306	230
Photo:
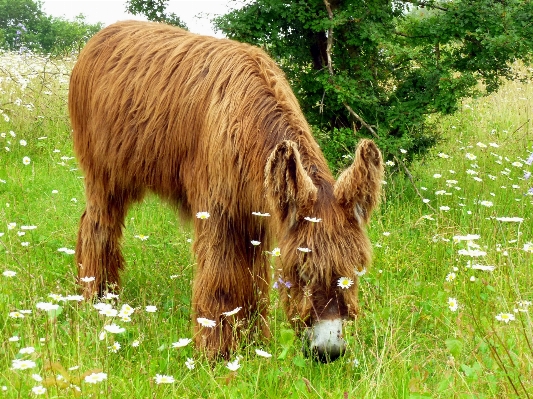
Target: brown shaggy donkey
212	125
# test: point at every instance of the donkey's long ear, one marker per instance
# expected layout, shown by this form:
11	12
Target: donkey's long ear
290	191
358	188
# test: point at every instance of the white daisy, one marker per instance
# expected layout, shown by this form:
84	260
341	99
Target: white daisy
345	282
206	322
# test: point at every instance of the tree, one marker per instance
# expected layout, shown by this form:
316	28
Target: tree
381	67
18	22
23	25
59	36
154	10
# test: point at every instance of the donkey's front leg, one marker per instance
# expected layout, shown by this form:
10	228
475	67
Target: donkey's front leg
230	292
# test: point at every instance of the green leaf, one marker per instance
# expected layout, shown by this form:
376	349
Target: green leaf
286	340
455	347
53	313
299	361
284	353
444	384
286	337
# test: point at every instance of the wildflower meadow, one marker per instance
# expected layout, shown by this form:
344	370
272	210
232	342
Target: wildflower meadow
445	309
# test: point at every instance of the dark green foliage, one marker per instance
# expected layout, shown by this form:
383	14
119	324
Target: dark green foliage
154	10
393	62
24	26
18	21
59	36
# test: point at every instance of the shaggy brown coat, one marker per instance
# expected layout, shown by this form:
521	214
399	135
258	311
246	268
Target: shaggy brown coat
212	125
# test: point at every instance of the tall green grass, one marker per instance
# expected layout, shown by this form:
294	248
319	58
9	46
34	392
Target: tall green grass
408	342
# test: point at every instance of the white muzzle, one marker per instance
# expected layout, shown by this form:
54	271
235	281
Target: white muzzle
324	340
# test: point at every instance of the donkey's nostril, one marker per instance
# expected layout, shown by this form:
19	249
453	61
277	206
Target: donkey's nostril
324	341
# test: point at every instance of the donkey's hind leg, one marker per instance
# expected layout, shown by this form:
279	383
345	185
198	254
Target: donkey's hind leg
98	253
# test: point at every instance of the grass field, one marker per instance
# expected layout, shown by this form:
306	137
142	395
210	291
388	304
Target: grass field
444	308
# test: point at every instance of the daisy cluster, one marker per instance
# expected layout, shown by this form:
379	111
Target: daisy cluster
474	258
484	184
115	318
452	195
469	192
25	71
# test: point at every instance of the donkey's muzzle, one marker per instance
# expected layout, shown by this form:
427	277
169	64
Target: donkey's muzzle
324	340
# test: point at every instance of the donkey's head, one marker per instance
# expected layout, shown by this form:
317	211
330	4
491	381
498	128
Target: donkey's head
323	242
